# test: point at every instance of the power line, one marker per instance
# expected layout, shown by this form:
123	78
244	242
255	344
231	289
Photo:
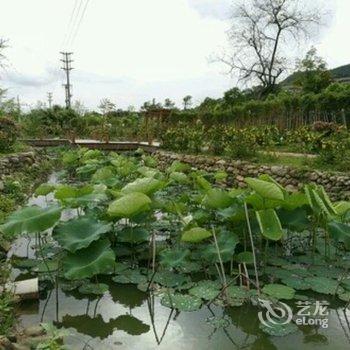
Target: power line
80	22
67	68
73	21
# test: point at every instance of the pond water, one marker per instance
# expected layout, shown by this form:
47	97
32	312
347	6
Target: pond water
127	318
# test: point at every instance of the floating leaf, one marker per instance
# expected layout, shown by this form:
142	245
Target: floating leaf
129	205
98	258
79	233
181	302
206	290
195	235
279	291
296	283
171	279
31	220
174	258
324	285
269	224
278	329
91	288
129	276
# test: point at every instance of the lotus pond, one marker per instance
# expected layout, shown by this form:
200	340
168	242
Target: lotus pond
129	256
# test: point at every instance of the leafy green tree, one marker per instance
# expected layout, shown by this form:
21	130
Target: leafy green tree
107	106
315	76
169	104
187	102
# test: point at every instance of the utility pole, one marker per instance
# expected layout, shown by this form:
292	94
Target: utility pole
67	68
49	98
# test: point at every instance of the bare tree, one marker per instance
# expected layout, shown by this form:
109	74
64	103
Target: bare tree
263	33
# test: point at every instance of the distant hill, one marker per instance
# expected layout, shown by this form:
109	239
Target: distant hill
339	73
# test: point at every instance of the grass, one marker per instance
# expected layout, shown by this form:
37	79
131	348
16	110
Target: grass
18	147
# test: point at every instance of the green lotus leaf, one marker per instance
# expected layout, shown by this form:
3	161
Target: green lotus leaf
270	225
31	220
345	296
24	263
130	276
43	267
295	220
174	258
277	272
133	235
103	174
236	292
129	205
346	283
245	257
147	185
207	290
177	166
227	242
68	286
342	208
179	177
202	183
217	199
195	235
296	283
79	233
324	285
265	189
181	302
98	258
278	329
279	291
171	279
92	288
44	189
340	232
66	192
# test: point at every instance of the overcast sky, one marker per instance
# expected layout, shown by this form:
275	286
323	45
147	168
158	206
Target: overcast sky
130	50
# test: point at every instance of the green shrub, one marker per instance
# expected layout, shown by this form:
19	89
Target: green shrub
9	133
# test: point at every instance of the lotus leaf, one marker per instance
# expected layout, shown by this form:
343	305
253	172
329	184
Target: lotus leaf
129	205
181	302
98	258
79	233
195	235
31	220
279	291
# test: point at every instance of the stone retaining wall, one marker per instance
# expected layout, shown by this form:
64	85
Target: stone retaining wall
336	184
17	162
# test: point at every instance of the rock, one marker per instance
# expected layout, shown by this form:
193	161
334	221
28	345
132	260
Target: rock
5	344
34	331
21	347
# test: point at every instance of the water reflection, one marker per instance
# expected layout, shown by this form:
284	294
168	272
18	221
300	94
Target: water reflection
96	327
